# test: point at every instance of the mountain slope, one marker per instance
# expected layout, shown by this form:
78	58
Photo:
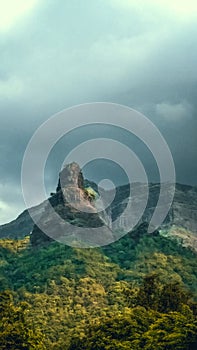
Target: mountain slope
183	212
139	292
68	289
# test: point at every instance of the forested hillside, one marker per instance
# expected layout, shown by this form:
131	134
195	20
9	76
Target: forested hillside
137	293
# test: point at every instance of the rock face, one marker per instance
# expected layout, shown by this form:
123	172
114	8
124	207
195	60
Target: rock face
183	211
70	176
70	190
70	215
74	206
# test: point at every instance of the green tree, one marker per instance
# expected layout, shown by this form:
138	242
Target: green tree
171	331
15	333
149	292
172	297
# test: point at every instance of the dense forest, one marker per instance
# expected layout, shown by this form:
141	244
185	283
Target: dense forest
137	293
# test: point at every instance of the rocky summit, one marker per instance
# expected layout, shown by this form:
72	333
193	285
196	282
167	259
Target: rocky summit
70	215
73	207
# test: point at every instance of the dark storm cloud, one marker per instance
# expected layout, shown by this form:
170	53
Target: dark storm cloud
68	53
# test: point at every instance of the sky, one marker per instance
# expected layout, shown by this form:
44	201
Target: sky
57	54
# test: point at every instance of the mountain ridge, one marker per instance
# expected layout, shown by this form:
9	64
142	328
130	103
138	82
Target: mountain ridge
23	224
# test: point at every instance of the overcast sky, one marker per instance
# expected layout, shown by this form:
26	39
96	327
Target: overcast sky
56	54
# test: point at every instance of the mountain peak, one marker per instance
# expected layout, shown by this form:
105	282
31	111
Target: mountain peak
71	191
74	202
70	214
70	176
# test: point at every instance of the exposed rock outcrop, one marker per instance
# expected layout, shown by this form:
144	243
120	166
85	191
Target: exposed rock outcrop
70	215
72	204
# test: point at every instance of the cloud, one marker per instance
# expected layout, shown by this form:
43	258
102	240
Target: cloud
11	88
11	203
57	54
180	10
6	212
174	112
12	11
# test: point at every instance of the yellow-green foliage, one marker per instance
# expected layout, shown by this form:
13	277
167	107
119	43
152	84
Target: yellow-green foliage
15	330
110	297
91	193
